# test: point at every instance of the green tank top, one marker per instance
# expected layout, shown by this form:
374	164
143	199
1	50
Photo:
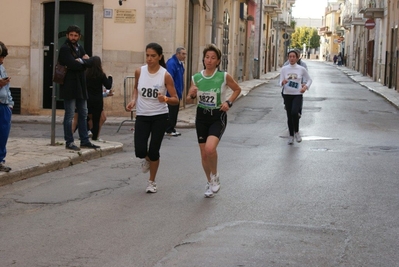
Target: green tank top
210	89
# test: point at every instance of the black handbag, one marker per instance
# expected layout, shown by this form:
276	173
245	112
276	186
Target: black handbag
59	73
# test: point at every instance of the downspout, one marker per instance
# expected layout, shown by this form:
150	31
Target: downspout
276	56
214	15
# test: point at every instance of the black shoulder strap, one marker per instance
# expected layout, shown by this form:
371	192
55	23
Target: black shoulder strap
73	51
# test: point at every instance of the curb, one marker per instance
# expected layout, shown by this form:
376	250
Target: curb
57	162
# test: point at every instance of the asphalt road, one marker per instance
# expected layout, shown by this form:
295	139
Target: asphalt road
331	200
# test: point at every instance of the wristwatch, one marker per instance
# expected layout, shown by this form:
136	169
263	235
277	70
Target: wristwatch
229	103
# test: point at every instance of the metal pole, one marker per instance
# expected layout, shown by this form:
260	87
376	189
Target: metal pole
277	29
260	38
55	58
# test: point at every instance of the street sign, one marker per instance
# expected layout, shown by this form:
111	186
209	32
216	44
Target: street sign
286	36
370	24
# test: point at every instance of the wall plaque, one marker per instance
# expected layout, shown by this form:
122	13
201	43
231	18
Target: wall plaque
125	15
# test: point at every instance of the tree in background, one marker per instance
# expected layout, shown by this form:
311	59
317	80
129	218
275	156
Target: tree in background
305	35
314	39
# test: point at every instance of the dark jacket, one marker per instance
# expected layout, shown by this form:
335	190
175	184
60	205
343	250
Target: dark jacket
176	70
74	86
95	88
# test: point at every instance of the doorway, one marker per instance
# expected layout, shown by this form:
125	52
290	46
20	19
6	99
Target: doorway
392	75
71	13
369	58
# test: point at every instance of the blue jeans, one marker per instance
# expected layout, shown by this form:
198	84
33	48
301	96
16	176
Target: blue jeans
81	106
5	126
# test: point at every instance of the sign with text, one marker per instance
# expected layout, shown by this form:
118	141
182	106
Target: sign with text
125	15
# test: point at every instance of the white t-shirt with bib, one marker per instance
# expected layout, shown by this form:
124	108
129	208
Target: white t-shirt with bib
294	74
149	85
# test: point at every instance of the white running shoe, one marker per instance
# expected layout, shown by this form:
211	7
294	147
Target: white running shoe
152	187
175	134
298	137
290	140
215	183
89	133
145	166
208	190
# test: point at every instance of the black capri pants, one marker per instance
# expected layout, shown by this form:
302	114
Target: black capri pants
145	127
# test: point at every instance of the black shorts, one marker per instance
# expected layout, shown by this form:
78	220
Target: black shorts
210	122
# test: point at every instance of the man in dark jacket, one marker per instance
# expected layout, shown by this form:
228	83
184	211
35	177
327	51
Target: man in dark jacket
74	91
175	67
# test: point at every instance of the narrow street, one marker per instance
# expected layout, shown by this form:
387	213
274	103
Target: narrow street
331	200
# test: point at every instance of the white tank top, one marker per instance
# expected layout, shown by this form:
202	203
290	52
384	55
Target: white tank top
149	85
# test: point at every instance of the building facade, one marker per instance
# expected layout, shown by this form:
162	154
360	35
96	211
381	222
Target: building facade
330	33
118	32
368	37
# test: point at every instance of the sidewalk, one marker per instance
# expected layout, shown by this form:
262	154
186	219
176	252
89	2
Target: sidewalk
389	94
41	157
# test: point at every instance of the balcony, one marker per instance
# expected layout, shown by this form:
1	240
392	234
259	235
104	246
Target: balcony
357	21
339	31
273	8
281	24
372	11
323	30
347	22
278	10
290	30
270	9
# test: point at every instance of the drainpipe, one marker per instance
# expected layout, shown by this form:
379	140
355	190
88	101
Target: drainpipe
214	16
276	56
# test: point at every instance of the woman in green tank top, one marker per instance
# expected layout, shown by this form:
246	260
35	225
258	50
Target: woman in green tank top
209	87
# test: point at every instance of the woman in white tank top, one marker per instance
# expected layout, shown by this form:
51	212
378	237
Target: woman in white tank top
152	81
